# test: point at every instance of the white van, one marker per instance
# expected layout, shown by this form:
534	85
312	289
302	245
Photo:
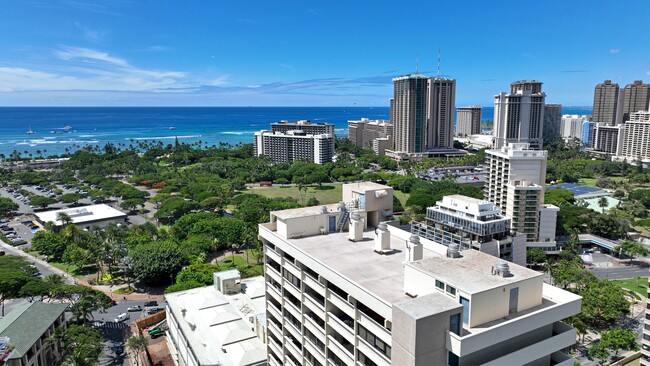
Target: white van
122	317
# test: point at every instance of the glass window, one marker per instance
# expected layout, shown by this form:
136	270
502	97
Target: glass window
454	324
440	285
451	290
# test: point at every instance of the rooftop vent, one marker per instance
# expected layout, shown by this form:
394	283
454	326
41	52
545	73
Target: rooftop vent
503	269
453	251
323	209
342	206
414	249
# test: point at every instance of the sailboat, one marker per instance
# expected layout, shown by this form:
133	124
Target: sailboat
30	132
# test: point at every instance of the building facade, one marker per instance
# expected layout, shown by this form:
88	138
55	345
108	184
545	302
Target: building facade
468	121
635	143
372	294
636	97
363	132
588	133
515	183
471	223
440	113
519	115
606	103
286	147
607	138
410	113
572	126
25	333
552	120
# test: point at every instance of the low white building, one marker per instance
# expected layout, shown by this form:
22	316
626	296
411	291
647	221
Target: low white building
223	324
85	217
373	294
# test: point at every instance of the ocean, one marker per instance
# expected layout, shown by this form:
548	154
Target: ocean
61	129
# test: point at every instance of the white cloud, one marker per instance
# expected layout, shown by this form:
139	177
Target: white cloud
614	50
72	53
220	81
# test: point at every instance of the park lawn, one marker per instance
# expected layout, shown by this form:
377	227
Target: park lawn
329	193
637	284
591	182
402	197
75	271
249	269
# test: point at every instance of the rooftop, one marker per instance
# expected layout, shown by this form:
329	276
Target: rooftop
218	326
26	324
83	214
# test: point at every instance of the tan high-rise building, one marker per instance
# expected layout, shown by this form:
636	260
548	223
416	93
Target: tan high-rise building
606	103
519	115
636	97
468	121
364	132
410	113
440	110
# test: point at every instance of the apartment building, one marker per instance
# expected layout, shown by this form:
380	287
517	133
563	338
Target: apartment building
345	288
25	331
287	147
635	141
364	132
223	324
515	183
310	128
552	120
608	138
607	101
440	113
588	133
471	223
571	126
519	115
636	97
468	121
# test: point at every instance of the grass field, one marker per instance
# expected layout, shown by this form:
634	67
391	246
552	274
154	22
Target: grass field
591	182
329	193
637	284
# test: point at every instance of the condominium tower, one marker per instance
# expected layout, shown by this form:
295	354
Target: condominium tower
519	115
552	118
636	97
468	121
606	103
423	113
571	126
516	183
635	141
364	132
343	287
300	140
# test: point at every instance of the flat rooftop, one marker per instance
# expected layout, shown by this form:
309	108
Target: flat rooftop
79	215
472	272
383	274
218	326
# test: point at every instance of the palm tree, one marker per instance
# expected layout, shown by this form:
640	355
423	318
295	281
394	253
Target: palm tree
603	203
137	344
64	218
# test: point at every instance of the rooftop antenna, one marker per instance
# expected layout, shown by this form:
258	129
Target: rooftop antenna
438	63
417	63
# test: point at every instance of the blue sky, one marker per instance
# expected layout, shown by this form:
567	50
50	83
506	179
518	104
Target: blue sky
310	53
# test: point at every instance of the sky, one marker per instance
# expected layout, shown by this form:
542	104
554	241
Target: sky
310	53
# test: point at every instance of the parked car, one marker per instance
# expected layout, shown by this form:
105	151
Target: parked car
134	308
153	310
151	303
122	317
156	332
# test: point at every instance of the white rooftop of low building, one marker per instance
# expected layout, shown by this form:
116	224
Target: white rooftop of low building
383	274
83	214
303	211
365	186
219	326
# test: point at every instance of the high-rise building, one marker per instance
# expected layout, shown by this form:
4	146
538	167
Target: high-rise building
468	121
300	140
606	103
440	113
519	115
607	138
410	113
588	133
515	183
363	132
552	118
636	97
571	126
635	141
423	115
471	223
345	288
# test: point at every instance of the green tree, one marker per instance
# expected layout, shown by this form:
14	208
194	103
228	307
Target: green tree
631	249
535	256
158	262
137	344
15	273
64	218
603	203
619	339
83	345
599	352
7	205
558	196
35	288
71	198
41	201
603	303
132	204
50	244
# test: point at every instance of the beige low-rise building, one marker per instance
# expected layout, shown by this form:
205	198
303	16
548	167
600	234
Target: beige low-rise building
344	287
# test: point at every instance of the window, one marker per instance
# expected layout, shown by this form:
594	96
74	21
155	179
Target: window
454	324
440	285
374	341
453	359
451	290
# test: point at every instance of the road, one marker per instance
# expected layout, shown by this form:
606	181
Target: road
620	272
43	267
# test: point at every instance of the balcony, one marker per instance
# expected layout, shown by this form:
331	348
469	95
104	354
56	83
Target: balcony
342	325
275	328
275	348
272	254
275	312
373	354
274	292
292	268
341	303
288	286
345	354
273	273
292	308
314	351
374	327
294	349
312	305
314	284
